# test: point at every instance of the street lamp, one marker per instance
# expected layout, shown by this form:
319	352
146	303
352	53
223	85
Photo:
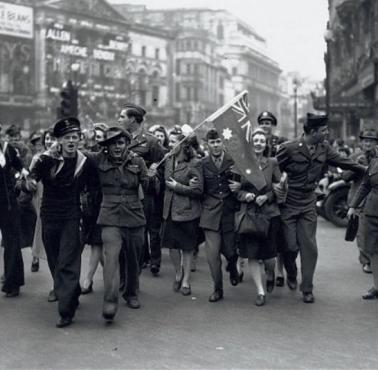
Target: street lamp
75	69
328	37
295	87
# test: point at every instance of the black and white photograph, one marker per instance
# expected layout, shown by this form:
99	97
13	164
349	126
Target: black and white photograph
188	184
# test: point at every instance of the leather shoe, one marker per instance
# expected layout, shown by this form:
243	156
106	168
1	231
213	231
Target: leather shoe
308	298
177	283
269	286
35	266
87	290
155	269
185	290
63	322
371	294
13	293
216	296
292	284
234	275
280	281
52	297
260	300
366	268
133	302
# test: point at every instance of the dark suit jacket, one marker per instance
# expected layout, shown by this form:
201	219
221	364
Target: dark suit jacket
218	205
183	203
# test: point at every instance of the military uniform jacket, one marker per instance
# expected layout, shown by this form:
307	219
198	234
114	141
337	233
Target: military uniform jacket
121	205
183	203
148	147
369	190
219	204
305	170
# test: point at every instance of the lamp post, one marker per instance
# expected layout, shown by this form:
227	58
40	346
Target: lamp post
295	88
328	37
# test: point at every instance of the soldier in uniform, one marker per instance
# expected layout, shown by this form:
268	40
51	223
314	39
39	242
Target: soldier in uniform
267	121
218	210
147	146
304	161
10	162
64	172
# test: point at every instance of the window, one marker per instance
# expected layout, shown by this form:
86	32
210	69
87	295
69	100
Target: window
196	69
155	96
195	93
142	97
221	82
178	65
188	93
157	53
220	31
178	95
234	71
143	51
188	68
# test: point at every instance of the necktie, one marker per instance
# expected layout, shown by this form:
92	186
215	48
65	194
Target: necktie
218	163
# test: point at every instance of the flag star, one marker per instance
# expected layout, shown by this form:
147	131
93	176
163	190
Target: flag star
227	133
248	171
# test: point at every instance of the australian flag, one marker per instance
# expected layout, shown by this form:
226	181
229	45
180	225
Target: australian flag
233	124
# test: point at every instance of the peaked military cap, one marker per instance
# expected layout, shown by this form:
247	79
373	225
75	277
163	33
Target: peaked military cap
369	134
66	125
136	108
114	133
315	120
267	116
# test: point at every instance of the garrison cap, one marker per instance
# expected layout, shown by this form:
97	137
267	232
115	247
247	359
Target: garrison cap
267	116
315	120
66	125
212	134
135	108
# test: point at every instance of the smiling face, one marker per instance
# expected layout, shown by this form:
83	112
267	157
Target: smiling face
368	144
70	143
49	140
266	125
259	143
320	134
118	147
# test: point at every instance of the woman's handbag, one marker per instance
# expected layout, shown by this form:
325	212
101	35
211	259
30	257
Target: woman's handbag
252	220
352	228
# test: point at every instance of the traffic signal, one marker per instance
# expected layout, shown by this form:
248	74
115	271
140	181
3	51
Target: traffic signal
69	104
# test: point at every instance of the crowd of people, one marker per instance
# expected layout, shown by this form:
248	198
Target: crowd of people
128	192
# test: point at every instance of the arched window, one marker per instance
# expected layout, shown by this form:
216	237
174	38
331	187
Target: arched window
220	31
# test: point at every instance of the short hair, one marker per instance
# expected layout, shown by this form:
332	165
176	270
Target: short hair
13	131
134	112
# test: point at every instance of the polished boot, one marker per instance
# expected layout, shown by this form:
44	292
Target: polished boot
216	296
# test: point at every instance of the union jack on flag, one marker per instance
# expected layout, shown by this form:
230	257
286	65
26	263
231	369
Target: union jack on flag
234	125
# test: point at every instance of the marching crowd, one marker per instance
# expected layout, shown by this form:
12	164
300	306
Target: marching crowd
128	193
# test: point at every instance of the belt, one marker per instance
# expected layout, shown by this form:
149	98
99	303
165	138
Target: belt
120	197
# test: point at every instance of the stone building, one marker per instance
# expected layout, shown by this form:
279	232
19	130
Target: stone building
217	56
352	52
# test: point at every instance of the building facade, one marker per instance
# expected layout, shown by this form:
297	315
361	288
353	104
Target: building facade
17	85
351	59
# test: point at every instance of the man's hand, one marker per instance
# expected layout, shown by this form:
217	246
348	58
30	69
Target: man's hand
234	186
171	183
152	171
261	199
193	182
351	213
31	185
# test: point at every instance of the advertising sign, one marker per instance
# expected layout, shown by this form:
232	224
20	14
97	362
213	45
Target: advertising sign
16	20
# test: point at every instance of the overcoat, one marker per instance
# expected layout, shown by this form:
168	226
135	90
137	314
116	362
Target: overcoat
183	203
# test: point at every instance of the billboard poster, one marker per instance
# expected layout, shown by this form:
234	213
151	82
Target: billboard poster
16	20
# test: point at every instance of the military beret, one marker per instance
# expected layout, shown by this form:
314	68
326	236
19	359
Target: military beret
114	133
135	108
65	126
267	116
315	120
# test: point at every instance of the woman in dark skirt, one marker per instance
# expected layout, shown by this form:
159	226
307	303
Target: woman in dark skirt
182	208
254	247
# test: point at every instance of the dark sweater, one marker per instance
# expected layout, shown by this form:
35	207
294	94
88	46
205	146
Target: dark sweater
61	188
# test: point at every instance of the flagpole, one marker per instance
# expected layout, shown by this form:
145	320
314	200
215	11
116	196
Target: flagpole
209	119
169	154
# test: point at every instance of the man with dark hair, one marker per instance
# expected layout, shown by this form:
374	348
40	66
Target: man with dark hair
218	210
10	162
64	174
146	146
304	160
267	121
